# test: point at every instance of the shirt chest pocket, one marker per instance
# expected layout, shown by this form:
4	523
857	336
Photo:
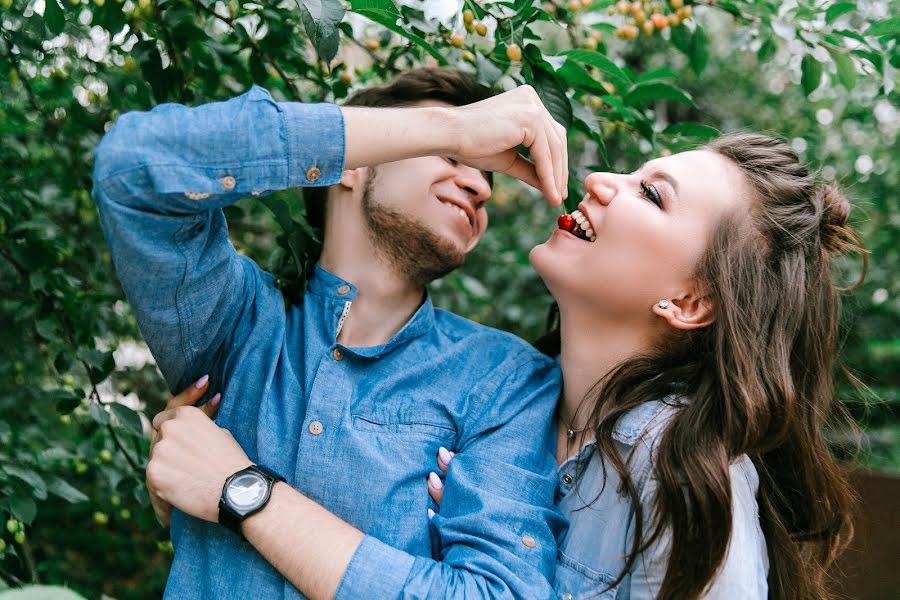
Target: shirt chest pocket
408	422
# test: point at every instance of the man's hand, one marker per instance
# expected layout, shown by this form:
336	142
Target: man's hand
489	133
190	458
485	135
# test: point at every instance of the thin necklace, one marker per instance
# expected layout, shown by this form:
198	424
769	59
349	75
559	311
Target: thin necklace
570	432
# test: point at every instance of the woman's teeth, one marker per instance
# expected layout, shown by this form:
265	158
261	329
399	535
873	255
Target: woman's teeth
584	225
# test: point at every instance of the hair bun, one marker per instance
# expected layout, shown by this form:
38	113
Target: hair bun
833	231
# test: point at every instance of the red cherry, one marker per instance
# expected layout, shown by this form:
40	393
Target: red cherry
566	222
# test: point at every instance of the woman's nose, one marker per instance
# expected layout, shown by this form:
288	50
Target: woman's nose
601	186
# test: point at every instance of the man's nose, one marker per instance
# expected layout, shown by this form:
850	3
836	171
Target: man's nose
474	183
602	186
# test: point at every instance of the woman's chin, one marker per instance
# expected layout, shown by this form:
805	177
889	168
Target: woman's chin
551	265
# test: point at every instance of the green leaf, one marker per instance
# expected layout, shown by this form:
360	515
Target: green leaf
577	76
681	39
257	67
845	69
385	13
767	50
614	74
54	17
695	130
100	364
48	328
98	413
321	19
63	361
699	51
656	74
62	488
553	95
837	9
128	418
38	487
884	27
657	90
811	74
22	507
66	400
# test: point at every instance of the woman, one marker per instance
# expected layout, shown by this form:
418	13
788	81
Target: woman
697	337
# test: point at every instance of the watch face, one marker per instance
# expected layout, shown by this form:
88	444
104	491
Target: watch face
245	491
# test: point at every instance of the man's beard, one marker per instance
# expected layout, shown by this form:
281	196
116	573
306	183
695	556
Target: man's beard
406	244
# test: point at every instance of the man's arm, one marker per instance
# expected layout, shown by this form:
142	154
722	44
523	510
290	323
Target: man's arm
160	180
497	524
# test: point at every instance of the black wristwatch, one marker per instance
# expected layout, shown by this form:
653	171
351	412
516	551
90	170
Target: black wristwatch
245	493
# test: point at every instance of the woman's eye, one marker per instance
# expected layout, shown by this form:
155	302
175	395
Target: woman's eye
452	161
651	194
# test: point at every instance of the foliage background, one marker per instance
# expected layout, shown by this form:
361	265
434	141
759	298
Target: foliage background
76	383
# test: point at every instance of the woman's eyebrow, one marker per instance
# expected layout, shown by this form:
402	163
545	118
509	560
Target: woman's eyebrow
665	176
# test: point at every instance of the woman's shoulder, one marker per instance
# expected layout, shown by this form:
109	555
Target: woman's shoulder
646	423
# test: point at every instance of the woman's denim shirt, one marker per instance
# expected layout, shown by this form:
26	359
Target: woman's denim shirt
593	550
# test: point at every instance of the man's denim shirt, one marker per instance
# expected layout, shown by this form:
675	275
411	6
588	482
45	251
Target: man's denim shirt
356	429
593	550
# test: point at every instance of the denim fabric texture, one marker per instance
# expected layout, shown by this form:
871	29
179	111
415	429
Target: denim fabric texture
355	429
592	552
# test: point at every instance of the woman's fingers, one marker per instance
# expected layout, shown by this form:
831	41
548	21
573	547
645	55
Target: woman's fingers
435	484
212	407
435	487
189	395
443	459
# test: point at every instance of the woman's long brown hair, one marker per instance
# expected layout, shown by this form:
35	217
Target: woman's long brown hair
759	381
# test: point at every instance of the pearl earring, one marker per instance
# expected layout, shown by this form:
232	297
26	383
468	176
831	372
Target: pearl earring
664	304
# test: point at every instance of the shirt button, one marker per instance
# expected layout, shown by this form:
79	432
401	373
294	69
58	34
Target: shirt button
343	290
227	182
567	479
529	541
313	173
566	596
337	354
316	428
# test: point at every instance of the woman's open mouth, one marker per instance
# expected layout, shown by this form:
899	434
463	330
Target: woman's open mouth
578	225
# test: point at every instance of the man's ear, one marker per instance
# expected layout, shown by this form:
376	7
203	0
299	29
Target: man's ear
689	310
353	178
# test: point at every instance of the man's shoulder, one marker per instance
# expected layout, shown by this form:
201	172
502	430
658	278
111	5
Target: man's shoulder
482	340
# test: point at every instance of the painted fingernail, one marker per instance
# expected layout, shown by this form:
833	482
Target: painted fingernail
214	401
444	455
430	514
435	481
201	382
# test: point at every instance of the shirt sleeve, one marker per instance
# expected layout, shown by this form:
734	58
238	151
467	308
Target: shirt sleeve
497	524
744	570
161	179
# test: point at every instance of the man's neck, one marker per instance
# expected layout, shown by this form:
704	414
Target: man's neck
385	300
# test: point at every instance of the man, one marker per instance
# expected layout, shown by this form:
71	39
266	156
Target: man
364	381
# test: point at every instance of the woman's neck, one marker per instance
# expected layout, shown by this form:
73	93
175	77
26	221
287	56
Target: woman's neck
590	348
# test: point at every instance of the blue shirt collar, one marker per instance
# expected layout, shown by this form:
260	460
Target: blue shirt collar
329	286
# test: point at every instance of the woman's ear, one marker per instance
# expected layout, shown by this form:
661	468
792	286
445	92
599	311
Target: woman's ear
687	311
